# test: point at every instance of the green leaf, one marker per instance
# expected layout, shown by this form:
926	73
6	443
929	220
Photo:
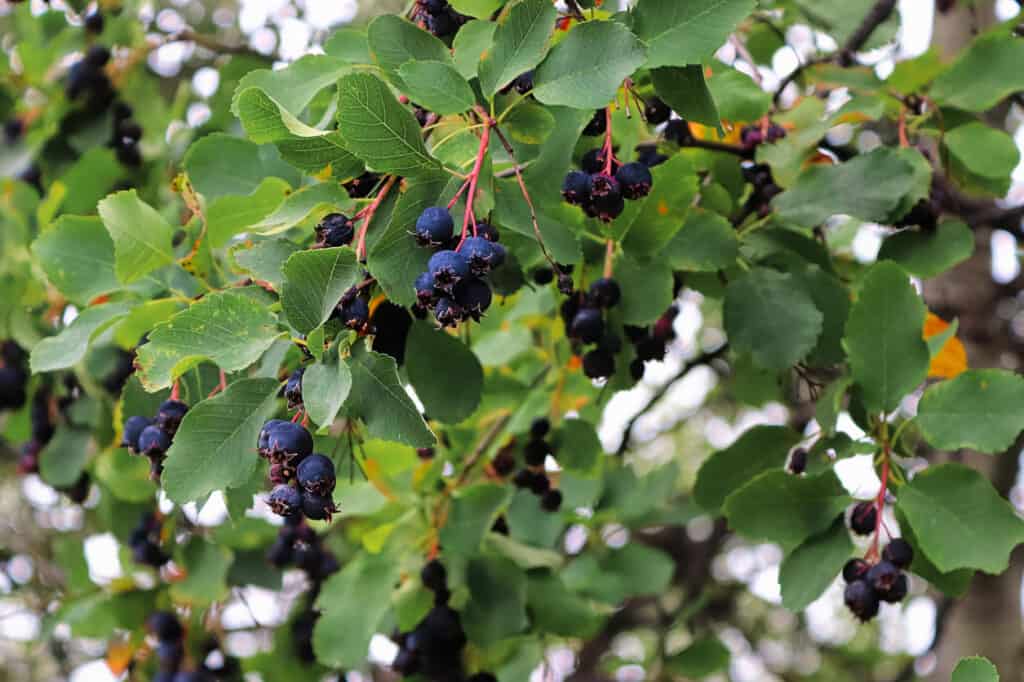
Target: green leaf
759	449
314	281
295	86
578	446
142	238
738	97
325	387
975	669
439	354
220	164
437	86
870	187
771	318
379	130
680	33
227	328
264	260
832	299
646	289
348	44
632	570
62	460
779	507
520	43
959	519
647	225
497	605
840	18
558	610
929	254
342	634
231	215
985	73
471	44
685	90
982	158
395	41
380	400
68	348
89	179
704	657
813	566
481	9
394	257
830	404
472	513
978	410
575	74
322	197
706	243
888	356
953	583
214	448
100	614
77	255
206	570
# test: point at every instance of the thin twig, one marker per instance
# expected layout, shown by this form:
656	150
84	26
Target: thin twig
212	44
881	11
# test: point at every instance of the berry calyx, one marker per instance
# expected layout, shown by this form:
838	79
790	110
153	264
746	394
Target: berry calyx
447	268
473	296
635	179
482	254
285	500
434	227
315	474
335	229
317	507
447	312
354	313
606	201
426	295
882	576
293	389
286	441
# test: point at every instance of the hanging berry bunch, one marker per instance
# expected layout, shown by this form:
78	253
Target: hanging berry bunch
152	436
144	542
651	343
583	314
13	376
868	584
532	477
303	480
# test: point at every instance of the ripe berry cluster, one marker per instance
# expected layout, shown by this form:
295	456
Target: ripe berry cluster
297	544
651	343
753	136
353	310
533	477
303	480
583	316
869	584
433	649
87	77
334	229
764	189
125	136
43	411
454	285
599	191
145	542
13	376
438	17
152	437
170	644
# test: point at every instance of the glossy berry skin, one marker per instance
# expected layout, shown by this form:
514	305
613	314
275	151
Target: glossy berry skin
635	179
317	507
434	227
897	591
12	388
285	500
473	296
165	626
488	232
656	111
503	463
425	293
587	325
576	187
355	313
153	440
864	518
597	125
170	414
551	500
133	428
606	200
544	276
798	461
316	474
598	364
434	576
861	599
899	552
855	569
447	268
263	441
535	452
335	230
605	292
540	483
540	427
523	82
289	441
447	312
481	254
882	576
97	56
524	478
94	23
293	389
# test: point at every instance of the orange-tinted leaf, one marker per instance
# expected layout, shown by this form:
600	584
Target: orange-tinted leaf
119	656
951	360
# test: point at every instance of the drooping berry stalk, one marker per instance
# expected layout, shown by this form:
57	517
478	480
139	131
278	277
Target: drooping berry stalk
221	385
474	177
609	156
880	501
367	215
609	258
176	390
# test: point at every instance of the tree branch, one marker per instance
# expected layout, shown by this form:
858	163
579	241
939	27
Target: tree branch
881	11
702	359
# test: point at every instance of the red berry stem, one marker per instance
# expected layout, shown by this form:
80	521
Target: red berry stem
474	177
880	501
221	385
609	157
367	215
609	258
175	390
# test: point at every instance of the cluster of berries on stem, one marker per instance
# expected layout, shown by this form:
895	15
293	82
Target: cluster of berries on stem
153	436
144	542
583	314
438	17
532	477
303	480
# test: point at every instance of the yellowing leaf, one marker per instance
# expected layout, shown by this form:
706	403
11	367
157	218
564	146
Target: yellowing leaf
951	360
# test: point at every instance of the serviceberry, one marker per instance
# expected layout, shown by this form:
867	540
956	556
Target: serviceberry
285	500
133	428
861	599
170	414
434	227
434	576
317	507
165	626
523	83
426	295
551	500
315	474
335	229
899	552
544	276
864	518
535	452
798	461
354	313
855	569
481	254
447	268
524	478
153	440
576	187
882	576
540	427
649	155
540	483
593	161
473	296
504	462
606	201
635	180
447	312
263	440
488	232
656	111
293	389
896	592
94	22
598	364
587	325
605	292
289	441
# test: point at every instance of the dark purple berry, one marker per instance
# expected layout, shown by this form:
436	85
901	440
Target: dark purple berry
678	131
540	483
289	441
576	187
587	325
488	232
598	364
448	268
855	569
523	82
285	500
315	474
133	428
593	161
524	478
535	452
97	56
426	454
293	389
551	500
882	576
504	462
597	125
153	441
94	22
426	295
635	180
165	626
606	200
861	599
544	276
170	414
434	576
317	507
434	227
798	461
354	313
605	292
899	552
481	254
539	427
473	296
897	590
864	518
656	111
447	312
335	229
